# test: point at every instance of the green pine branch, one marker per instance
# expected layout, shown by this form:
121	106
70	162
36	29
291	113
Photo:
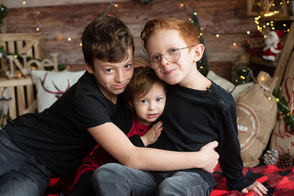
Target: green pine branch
285	111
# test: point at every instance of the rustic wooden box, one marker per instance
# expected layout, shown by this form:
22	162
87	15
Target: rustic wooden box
31	44
262	7
21	90
23	98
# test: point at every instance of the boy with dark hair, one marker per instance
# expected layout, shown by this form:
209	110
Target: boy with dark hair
33	147
145	101
197	112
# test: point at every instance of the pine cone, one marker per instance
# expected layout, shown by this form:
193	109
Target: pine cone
271	157
285	161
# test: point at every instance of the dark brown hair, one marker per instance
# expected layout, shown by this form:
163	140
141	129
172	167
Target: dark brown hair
107	39
140	84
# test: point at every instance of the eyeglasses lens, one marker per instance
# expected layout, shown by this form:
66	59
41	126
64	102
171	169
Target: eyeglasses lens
172	55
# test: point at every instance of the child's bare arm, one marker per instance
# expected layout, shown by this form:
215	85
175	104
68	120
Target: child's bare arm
152	135
117	144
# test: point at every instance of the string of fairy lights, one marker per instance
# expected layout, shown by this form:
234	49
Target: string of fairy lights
265	20
263	24
183	4
261	21
59	36
114	5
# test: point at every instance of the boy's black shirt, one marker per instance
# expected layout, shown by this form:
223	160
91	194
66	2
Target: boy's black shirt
58	136
123	119
193	118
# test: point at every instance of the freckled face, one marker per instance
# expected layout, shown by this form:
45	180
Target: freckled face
172	73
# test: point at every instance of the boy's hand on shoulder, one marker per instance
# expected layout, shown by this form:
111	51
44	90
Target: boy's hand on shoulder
257	187
152	135
209	156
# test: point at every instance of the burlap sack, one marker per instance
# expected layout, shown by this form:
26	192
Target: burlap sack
256	117
282	139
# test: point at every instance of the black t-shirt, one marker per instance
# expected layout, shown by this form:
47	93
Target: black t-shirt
58	136
193	118
123	119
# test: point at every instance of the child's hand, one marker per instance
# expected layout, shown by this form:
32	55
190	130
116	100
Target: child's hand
257	187
209	156
152	135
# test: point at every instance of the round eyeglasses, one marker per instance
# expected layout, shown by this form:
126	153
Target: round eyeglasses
172	55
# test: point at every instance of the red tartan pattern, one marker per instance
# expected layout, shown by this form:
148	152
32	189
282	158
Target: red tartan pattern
279	182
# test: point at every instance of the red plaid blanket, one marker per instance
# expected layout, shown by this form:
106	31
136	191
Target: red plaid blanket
279	182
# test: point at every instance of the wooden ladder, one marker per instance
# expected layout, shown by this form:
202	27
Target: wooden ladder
284	58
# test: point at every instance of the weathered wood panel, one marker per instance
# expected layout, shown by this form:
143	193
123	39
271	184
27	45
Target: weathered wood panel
226	17
38	3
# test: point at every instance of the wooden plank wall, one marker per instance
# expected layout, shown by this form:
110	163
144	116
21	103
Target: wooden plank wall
227	18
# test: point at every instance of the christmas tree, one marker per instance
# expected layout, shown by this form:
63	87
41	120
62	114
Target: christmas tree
202	65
